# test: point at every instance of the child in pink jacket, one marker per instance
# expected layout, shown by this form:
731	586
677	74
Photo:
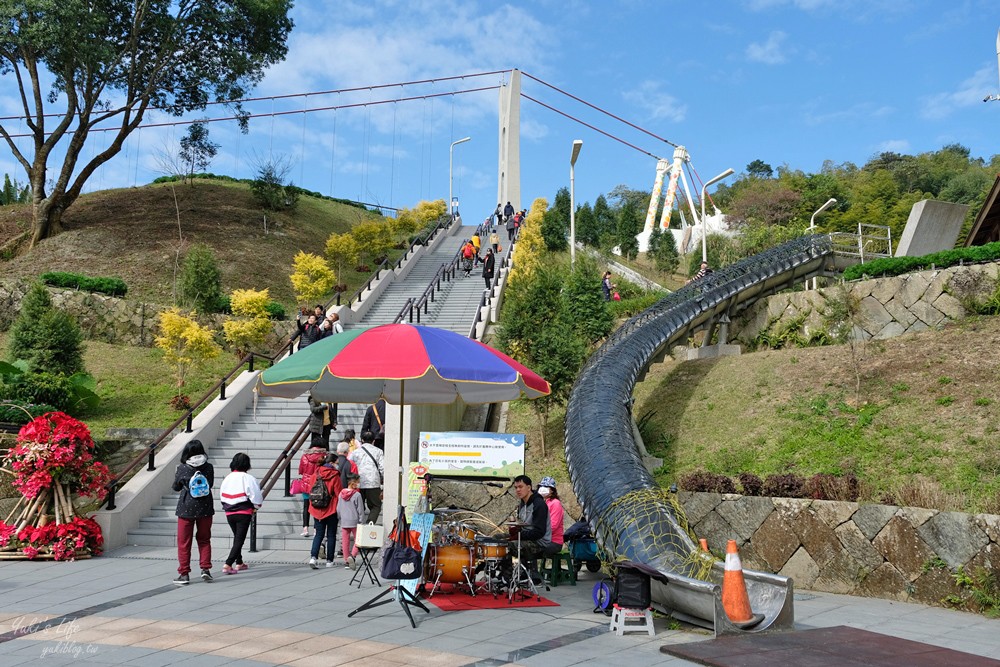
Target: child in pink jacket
350	509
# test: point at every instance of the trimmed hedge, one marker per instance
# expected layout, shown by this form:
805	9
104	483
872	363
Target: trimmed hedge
109	286
895	266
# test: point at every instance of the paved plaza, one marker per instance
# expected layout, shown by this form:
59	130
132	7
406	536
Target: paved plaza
121	609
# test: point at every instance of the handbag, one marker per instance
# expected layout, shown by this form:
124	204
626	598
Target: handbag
370	536
298	486
399	560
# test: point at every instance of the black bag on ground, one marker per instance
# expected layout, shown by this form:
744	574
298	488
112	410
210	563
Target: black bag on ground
319	495
399	560
632	588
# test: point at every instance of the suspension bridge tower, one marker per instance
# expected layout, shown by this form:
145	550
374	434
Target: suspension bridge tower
509	168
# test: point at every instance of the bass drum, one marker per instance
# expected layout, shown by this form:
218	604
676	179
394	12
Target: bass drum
449	562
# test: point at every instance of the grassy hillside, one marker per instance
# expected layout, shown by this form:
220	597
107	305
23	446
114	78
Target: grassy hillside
137	234
922	430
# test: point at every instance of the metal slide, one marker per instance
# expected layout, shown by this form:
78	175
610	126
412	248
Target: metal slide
631	516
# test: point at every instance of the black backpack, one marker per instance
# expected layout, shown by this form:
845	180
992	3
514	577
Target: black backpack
319	495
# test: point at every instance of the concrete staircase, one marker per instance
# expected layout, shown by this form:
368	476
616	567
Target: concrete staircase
264	432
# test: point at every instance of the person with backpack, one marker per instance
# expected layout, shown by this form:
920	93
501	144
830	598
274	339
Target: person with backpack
468	255
511	228
374	421
322	419
350	509
194	478
308	464
324	493
371	467
241	497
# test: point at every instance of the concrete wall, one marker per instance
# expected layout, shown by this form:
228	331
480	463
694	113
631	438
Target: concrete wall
897	553
932	226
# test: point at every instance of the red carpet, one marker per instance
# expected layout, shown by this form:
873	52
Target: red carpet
448	598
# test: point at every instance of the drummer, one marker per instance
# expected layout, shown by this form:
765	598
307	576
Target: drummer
536	533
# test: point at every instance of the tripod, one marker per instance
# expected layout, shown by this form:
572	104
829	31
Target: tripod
406	600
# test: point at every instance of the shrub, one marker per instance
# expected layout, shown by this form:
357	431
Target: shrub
250	326
48	388
22	413
311	277
109	286
831	487
784	485
275	310
706	482
45	337
751	484
201	280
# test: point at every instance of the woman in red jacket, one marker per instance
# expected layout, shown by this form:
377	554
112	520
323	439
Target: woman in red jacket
324	510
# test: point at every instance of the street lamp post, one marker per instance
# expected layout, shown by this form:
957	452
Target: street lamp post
812	224
704	224
451	162
577	145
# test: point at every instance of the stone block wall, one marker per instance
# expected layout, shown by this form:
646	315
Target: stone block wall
105	318
889	306
884	551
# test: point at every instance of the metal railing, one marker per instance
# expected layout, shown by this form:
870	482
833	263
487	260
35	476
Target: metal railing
871	242
149	453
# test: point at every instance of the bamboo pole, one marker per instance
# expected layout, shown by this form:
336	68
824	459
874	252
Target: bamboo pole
29	513
56	504
13	511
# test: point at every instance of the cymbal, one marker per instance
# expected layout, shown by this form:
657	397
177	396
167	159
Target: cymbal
447	510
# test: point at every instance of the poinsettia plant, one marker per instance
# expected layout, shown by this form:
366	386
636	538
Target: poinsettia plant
52	461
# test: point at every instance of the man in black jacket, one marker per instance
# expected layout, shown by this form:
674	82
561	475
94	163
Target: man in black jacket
536	533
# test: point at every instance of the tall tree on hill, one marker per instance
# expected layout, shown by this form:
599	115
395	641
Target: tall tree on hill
80	64
197	150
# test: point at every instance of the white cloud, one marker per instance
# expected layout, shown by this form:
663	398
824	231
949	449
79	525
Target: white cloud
860	111
893	146
969	93
769	52
804	5
655	103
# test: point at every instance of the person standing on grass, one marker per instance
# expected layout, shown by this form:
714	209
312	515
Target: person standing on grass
325	517
194	478
371	467
350	509
241	497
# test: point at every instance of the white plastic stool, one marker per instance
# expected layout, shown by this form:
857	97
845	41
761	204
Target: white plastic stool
623	620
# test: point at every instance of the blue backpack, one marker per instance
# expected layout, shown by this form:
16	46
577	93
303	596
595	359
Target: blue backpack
198	486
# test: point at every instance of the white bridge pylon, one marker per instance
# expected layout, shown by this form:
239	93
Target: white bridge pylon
676	175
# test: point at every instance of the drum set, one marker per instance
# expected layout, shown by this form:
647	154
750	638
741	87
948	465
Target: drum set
475	556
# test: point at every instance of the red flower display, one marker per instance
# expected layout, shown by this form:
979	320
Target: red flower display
52	461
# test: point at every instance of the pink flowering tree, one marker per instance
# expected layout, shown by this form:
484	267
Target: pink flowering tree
53	462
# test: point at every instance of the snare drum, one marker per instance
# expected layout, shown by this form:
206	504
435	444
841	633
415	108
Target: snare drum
488	548
449	561
457	532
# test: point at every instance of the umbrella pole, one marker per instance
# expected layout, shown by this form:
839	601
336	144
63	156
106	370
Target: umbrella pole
402	402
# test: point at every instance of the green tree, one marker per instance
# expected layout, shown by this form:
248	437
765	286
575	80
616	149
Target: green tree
555	223
46	337
374	238
201	280
604	219
536	329
587	231
630	222
584	301
268	187
197	151
663	249
760	169
82	63
342	249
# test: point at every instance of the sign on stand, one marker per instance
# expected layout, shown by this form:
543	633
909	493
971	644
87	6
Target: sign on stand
472	454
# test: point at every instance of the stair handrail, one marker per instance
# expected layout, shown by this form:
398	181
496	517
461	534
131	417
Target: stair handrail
149	452
282	464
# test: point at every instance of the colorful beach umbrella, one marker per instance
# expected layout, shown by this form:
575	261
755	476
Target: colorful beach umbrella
404	364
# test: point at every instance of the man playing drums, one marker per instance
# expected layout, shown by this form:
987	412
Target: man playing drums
535	527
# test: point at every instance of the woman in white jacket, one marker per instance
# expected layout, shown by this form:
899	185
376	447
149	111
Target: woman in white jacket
241	497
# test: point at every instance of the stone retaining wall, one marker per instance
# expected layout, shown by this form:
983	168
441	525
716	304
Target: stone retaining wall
889	306
897	553
106	318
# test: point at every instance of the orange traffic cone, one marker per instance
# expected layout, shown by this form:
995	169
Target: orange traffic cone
735	600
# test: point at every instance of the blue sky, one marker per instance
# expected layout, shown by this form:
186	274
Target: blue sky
790	82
